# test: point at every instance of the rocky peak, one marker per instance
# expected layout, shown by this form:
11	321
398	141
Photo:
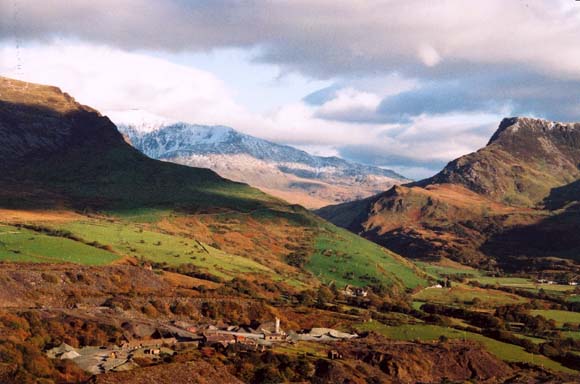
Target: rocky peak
36	120
519	132
525	159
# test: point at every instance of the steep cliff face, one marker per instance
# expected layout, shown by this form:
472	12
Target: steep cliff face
513	202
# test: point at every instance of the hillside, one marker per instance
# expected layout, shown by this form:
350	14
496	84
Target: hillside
280	170
115	267
66	162
512	204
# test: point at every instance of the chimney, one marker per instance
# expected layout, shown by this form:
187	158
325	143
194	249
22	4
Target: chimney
277	325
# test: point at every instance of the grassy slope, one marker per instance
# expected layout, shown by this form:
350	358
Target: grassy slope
560	317
343	258
28	246
465	294
132	240
96	171
504	351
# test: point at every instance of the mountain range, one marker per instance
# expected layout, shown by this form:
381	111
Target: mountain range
102	247
60	156
280	170
514	204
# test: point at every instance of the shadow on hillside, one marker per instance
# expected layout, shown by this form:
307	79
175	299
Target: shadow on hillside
532	246
80	161
561	196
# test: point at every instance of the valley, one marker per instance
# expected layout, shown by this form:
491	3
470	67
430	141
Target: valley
115	267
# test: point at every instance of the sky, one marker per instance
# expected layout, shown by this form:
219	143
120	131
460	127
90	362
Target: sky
402	84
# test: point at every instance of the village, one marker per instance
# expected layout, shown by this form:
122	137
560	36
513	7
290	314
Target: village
177	336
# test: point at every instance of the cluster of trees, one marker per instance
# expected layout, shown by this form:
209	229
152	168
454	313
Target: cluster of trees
535	324
270	367
497	326
477	319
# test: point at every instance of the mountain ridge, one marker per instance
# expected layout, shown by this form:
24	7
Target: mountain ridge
525	177
282	170
106	187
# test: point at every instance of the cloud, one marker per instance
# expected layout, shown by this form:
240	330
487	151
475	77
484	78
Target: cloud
345	120
421	147
113	80
415	84
325	38
493	91
349	104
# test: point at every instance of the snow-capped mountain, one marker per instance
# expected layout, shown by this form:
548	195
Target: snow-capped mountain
281	170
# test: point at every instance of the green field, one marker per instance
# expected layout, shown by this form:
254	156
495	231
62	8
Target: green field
574	335
344	258
504	351
439	271
132	240
560	317
522	283
463	294
27	246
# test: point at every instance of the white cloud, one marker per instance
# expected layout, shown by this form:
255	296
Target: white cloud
109	79
428	55
113	80
349	104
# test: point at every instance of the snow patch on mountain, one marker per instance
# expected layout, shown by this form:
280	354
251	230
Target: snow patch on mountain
311	180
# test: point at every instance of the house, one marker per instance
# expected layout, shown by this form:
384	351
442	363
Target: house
271	331
275	336
152	351
355	291
214	339
70	355
334	355
247	344
148	343
515	326
270	327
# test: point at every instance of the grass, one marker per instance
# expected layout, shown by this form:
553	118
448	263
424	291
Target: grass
519	282
28	246
142	215
344	258
572	334
462	294
425	332
560	317
439	271
133	240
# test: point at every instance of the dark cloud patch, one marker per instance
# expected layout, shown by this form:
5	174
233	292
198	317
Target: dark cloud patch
434	98
516	92
321	96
